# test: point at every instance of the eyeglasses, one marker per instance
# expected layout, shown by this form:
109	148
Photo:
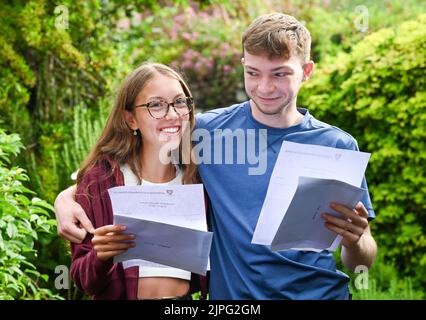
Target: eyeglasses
159	109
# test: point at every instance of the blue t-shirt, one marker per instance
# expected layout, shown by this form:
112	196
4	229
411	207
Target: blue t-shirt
240	269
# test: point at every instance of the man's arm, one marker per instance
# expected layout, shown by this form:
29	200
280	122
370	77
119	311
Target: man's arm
361	253
358	245
71	219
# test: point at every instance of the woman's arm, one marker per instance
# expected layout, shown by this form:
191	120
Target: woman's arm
92	265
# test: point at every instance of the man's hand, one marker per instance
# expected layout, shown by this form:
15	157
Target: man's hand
71	219
109	241
358	245
351	226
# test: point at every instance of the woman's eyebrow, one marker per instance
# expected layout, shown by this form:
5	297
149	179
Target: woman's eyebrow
162	98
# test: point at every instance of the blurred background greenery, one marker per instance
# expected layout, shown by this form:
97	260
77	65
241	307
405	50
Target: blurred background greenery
61	63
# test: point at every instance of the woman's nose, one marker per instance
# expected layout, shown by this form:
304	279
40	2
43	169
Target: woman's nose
172	114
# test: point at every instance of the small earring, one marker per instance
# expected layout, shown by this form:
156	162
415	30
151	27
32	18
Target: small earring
135	132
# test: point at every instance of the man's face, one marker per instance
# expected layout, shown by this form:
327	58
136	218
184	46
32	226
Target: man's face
273	84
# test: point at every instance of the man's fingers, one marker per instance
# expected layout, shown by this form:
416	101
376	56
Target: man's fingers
343	224
70	238
362	210
72	233
344	233
85	222
109	228
351	214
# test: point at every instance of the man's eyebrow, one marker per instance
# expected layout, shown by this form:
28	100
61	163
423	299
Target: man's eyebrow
250	67
273	70
282	67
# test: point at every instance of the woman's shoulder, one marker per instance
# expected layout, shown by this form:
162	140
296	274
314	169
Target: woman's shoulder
101	173
98	170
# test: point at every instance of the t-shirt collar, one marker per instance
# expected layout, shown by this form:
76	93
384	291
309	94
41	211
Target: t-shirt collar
271	130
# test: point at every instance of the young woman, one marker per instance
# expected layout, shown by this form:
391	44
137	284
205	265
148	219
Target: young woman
153	110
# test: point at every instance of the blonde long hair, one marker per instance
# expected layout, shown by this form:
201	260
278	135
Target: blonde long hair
117	140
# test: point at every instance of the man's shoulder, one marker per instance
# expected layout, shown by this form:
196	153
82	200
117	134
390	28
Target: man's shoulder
333	135
212	117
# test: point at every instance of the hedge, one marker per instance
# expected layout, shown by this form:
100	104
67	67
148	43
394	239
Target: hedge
377	93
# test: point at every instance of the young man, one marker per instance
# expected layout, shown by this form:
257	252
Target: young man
276	62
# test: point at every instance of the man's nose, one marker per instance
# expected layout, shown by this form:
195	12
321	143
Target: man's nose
265	86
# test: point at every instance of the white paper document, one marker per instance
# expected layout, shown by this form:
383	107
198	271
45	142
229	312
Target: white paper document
303	160
302	227
169	223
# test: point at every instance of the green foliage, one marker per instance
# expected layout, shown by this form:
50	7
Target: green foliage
45	70
383	283
397	290
87	127
337	26
22	219
56	86
377	93
204	44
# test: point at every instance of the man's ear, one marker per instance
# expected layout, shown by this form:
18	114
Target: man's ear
130	119
308	69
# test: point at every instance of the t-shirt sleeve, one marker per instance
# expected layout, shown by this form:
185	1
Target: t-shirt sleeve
367	201
352	144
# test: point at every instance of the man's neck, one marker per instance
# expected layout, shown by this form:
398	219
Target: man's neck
287	118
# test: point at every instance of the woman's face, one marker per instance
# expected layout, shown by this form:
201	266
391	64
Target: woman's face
160	134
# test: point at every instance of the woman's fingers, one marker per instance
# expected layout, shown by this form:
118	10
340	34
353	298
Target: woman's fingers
112	238
101	231
109	241
109	254
114	246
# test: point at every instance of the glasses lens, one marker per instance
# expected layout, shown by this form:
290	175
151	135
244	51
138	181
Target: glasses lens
157	109
182	106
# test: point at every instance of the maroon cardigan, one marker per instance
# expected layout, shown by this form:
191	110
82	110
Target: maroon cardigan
104	279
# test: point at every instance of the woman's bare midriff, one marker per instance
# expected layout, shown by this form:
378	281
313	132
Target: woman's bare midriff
161	287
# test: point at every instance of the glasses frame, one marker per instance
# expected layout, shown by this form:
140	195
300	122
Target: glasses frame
189	103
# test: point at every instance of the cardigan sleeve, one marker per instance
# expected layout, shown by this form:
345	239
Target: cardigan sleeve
90	273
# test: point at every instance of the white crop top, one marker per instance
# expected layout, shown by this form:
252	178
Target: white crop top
147	268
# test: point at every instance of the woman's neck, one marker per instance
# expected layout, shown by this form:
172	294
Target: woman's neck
153	170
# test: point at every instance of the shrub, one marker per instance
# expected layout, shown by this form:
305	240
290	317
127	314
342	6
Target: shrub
87	127
377	93
203	44
384	283
21	220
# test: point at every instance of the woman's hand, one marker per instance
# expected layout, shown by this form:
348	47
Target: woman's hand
109	241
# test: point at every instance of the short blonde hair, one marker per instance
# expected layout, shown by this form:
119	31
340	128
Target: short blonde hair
277	35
